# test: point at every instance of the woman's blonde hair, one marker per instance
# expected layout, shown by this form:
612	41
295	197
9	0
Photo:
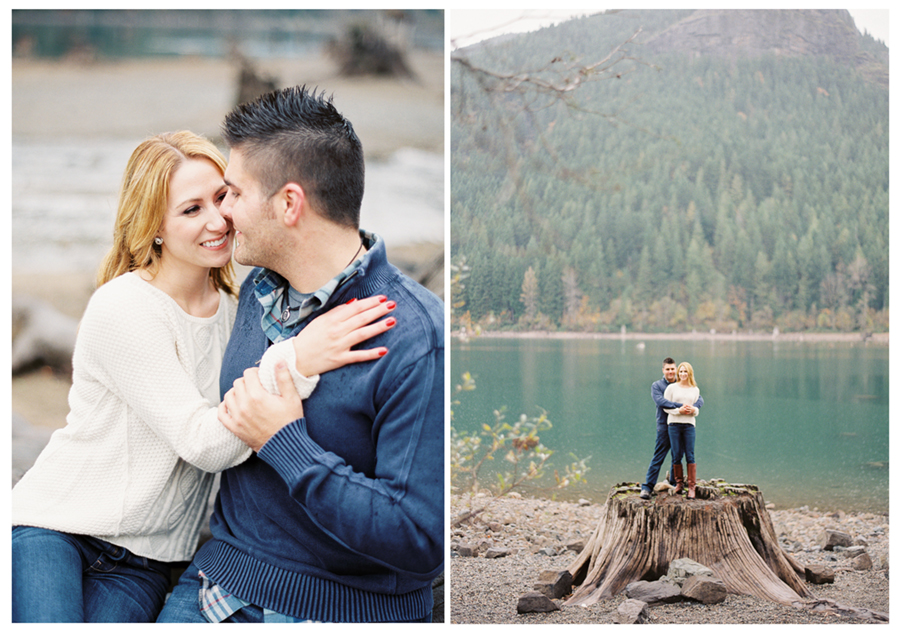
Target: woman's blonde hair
690	370
143	201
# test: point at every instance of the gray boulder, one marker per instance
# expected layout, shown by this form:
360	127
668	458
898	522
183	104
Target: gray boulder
496	552
819	574
704	589
862	562
832	538
535	602
683	568
632	611
554	584
653	592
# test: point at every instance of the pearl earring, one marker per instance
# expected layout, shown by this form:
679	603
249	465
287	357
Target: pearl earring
158	240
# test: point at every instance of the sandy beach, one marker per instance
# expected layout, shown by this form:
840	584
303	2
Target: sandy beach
139	97
135	98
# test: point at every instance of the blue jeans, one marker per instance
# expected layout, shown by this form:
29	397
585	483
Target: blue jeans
682	437
58	577
183	606
659	455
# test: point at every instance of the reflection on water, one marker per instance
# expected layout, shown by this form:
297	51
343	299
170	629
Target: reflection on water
806	423
64	200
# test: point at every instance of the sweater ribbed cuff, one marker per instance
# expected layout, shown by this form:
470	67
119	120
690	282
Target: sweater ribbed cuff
291	450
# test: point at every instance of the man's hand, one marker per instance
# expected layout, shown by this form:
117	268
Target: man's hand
253	414
688	410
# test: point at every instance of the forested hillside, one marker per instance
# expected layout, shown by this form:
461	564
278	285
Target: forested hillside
722	173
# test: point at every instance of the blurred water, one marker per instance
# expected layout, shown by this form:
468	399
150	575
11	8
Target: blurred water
64	200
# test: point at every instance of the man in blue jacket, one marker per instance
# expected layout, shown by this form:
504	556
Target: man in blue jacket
338	515
657	391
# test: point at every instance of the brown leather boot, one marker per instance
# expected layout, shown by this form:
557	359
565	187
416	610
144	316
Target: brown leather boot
692	480
679	479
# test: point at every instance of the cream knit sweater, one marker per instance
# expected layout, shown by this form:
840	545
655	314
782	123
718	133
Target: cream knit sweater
683	396
134	464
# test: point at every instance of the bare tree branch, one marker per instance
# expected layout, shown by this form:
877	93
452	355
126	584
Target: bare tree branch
525	92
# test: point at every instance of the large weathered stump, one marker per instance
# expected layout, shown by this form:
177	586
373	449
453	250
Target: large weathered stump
727	529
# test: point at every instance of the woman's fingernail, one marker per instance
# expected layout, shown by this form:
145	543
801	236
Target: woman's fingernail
351	300
391	305
390	321
382	352
382	299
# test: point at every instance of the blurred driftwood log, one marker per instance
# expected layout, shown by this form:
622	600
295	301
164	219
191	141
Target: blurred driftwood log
364	51
251	83
41	336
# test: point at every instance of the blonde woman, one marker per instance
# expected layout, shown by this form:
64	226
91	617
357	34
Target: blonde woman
121	491
681	424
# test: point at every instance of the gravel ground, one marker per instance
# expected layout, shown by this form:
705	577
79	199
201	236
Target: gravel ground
537	532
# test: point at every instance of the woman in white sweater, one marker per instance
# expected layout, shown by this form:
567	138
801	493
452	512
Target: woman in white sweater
122	489
682	426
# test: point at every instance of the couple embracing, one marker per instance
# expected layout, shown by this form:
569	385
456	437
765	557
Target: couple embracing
316	390
678	403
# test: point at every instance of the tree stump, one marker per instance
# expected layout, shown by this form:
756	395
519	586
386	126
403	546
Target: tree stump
726	528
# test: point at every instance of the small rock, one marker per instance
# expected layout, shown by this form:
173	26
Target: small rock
554	584
862	562
683	568
653	592
704	589
496	552
575	545
495	526
856	550
584	503
819	574
535	602
548	551
632	611
467	550
831	538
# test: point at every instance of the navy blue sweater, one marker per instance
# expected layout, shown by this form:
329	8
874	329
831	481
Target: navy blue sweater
339	517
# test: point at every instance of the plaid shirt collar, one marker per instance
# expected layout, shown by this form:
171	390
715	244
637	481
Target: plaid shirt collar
278	322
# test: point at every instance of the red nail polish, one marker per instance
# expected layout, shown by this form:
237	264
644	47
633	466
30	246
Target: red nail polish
382	352
391	305
382	299
351	300
390	321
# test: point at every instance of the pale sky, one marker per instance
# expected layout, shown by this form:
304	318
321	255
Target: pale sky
471	25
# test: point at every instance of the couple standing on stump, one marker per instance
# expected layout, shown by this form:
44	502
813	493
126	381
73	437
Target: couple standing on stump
678	402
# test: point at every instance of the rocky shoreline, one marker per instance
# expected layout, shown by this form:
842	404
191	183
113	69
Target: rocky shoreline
878	339
529	536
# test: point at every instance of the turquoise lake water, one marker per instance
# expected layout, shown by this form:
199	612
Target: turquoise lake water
807	423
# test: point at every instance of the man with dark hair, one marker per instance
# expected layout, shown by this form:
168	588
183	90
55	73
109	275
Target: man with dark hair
657	392
338	515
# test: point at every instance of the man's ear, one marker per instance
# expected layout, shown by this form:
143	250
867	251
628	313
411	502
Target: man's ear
294	201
